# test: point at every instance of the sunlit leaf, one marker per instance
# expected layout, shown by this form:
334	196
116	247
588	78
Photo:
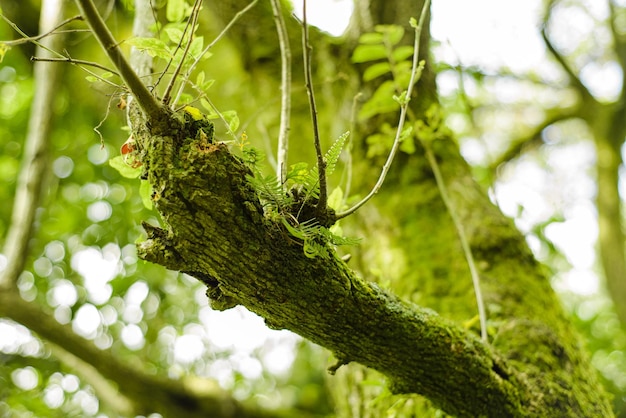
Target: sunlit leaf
376	70
124	169
154	47
371	38
145	191
365	53
176	10
402	52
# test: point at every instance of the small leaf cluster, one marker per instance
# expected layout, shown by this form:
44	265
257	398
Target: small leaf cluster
381	50
292	204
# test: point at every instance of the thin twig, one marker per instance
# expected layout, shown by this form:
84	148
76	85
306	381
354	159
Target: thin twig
285	105
191	23
153	109
348	147
26	39
321	164
403	111
467	251
71	60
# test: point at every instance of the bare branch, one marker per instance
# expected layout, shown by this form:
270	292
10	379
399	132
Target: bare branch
34	39
321	164
285	105
71	60
571	73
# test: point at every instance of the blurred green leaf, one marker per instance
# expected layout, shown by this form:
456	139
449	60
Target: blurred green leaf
376	70
365	53
124	169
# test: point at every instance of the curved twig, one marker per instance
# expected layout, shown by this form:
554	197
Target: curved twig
403	112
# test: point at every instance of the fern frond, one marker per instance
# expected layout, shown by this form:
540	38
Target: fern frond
332	155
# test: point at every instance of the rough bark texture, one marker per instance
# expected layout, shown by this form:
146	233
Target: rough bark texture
215	229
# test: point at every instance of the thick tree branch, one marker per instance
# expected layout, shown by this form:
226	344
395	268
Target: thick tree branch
216	231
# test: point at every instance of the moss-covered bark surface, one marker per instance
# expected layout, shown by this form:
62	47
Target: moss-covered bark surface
215	229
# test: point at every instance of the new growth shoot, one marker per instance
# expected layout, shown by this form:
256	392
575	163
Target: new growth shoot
404	105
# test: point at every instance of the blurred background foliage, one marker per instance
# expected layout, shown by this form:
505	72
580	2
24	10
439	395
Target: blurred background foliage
83	269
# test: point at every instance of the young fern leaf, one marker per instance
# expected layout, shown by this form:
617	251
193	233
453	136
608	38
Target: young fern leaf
332	155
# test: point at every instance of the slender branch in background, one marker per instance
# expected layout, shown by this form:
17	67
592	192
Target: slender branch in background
285	96
404	105
71	60
209	46
34	39
321	164
153	109
191	25
620	44
348	147
30	181
571	74
458	225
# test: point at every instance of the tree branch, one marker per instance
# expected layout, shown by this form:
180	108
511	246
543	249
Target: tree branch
156	113
517	145
321	164
571	74
285	97
244	258
30	182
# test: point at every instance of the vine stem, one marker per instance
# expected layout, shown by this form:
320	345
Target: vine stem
321	164
285	103
149	104
404	105
467	251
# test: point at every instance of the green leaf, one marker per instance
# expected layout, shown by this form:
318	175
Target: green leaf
371	38
145	191
174	34
332	155
380	102
376	70
298	172
154	47
402	52
232	119
335	199
4	48
392	33
365	53
124	169
413	22
176	10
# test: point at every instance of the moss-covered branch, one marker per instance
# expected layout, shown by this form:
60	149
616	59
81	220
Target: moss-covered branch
216	231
